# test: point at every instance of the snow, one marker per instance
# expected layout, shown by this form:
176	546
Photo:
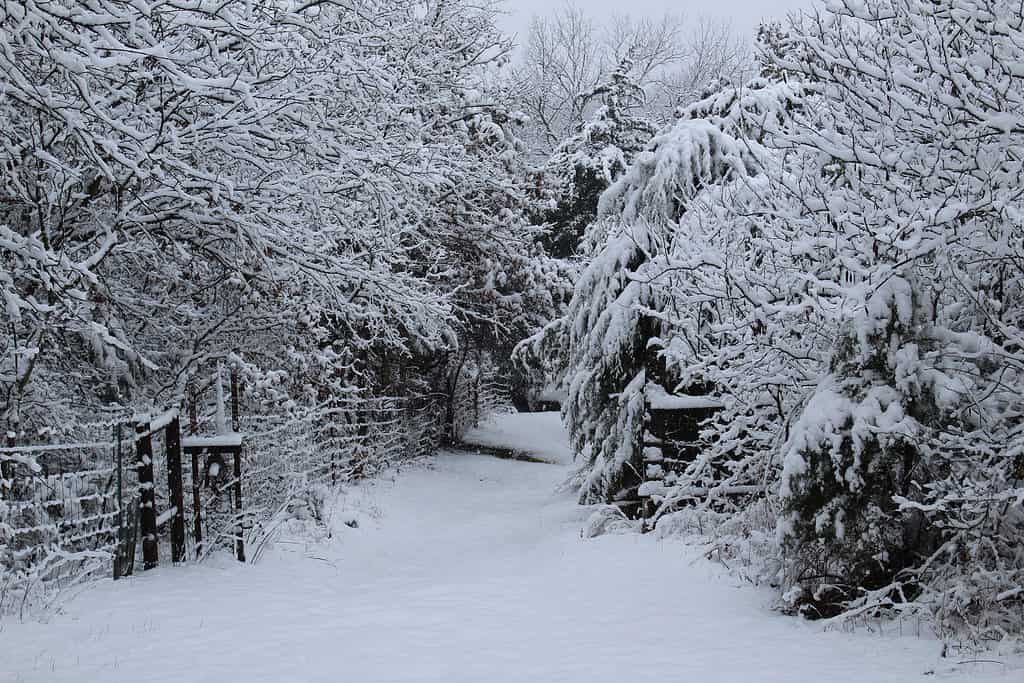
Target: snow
652	488
166	516
470	569
162	420
553	395
538	434
659	399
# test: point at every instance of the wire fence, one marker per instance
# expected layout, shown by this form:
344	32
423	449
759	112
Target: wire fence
349	438
70	512
480	393
62	513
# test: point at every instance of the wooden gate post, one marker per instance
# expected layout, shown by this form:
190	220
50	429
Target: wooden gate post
193	429
235	417
334	460
476	398
197	512
121	532
236	427
172	440
239	541
147	495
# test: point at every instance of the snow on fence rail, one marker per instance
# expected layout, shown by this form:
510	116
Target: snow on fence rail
479	394
291	459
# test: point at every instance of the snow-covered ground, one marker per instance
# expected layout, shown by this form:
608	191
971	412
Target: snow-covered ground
469	570
538	434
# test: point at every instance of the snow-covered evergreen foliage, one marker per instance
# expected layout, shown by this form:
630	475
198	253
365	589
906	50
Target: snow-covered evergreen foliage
915	202
588	162
618	311
835	250
566	194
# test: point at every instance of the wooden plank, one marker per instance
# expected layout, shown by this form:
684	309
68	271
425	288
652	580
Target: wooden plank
220	443
172	441
239	541
147	495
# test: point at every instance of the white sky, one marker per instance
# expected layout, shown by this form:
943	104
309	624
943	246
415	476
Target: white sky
744	14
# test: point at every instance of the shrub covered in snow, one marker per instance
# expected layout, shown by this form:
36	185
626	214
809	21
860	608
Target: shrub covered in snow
864	442
836	251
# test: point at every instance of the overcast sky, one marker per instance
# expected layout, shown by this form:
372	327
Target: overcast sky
745	14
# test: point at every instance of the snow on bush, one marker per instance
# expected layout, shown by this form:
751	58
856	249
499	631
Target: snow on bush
607	519
835	250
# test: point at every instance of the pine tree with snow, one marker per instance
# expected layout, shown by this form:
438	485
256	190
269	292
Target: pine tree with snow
618	318
588	162
862	443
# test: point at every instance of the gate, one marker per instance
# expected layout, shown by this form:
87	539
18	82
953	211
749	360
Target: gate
134	490
156	511
215	476
74	511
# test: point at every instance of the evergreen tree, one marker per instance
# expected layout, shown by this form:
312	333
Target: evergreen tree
619	312
588	162
862	444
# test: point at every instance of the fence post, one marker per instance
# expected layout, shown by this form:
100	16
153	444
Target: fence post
332	445
197	512
235	426
193	410
147	495
476	399
172	441
121	531
7	467
239	541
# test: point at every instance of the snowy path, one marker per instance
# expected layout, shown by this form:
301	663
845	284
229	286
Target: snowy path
474	571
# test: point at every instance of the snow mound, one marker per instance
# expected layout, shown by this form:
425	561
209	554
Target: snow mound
608	519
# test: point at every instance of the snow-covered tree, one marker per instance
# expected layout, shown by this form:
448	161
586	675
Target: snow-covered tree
306	186
902	467
835	254
863	354
585	164
567	53
620	315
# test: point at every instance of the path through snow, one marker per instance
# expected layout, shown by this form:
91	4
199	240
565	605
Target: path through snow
469	570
